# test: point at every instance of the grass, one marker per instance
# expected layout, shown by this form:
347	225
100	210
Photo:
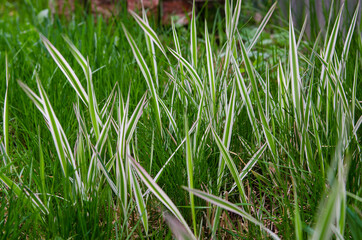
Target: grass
225	129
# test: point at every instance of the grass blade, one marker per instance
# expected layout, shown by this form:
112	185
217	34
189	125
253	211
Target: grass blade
245	95
210	70
250	71
6	109
193	35
190	170
232	208
231	165
29	195
294	72
195	77
149	31
262	26
159	193
254	159
140	201
147	75
91	101
66	69
132	122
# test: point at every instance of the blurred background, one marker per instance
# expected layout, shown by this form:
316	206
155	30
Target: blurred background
313	11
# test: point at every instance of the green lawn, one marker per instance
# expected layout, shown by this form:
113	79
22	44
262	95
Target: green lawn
229	128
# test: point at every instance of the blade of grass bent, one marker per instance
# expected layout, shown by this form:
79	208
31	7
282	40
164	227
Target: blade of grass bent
59	138
91	101
232	208
146	73
132	122
195	77
30	196
231	165
66	69
254	159
159	193
140	201
149	31
261	26
169	115
151	49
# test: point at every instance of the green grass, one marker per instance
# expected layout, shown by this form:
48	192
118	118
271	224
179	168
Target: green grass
235	129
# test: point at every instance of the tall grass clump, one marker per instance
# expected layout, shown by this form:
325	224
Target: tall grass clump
198	131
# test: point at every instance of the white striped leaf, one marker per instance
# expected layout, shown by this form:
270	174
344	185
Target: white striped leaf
146	73
159	193
232	208
66	69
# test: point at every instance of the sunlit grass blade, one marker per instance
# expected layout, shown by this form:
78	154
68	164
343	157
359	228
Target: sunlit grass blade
147	75
190	173
283	90
121	181
228	18
199	115
42	168
160	194
232	208
354	90
106	105
66	69
151	49
122	121
54	129
193	35
235	19
178	50
302	30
